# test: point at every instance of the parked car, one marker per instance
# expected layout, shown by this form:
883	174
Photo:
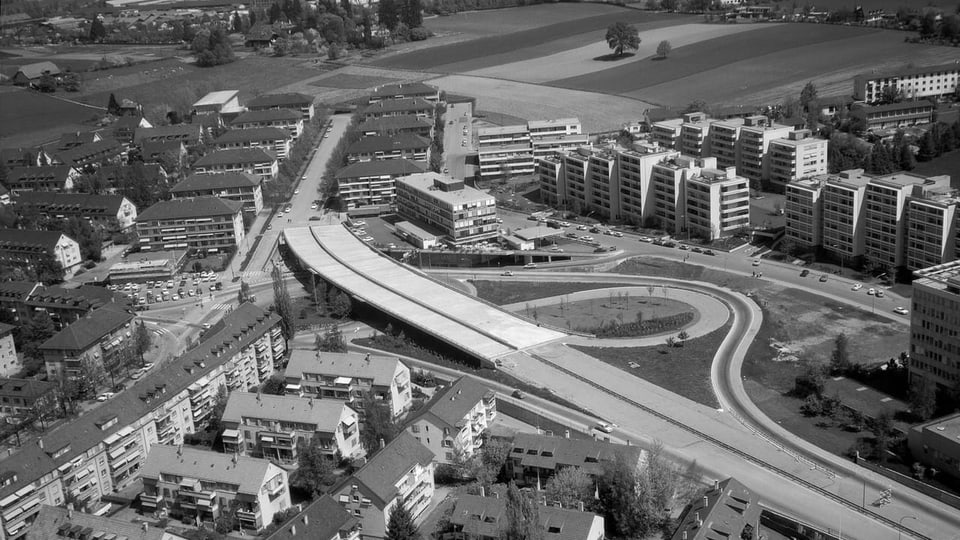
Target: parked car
900	310
804	273
606	427
517	394
530	266
105	396
871	291
756	262
708	252
879	293
857	287
823	278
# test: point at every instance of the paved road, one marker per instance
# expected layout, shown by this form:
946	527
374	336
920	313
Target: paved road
455	155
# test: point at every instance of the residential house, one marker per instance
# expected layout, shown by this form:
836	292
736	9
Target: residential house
188	134
95	340
394	125
255	161
21	246
462	213
401	470
10	363
23	299
125	128
32	73
399	107
73	139
209	224
371	183
53	523
452	423
405	90
728	510
292	121
220	102
201	485
895	115
534	458
24	397
108	212
476	517
402	146
170	154
272	427
909	82
93	155
348	377
260	35
241	187
275	140
23	157
56	178
322	519
301	103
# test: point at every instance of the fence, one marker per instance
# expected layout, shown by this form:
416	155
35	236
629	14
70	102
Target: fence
927	489
515	410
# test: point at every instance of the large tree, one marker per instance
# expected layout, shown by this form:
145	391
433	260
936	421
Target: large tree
97	30
808	94
923	398
283	303
388	14
622	37
142	340
664	48
379	426
570	487
212	48
522	516
400	526
315	469
840	357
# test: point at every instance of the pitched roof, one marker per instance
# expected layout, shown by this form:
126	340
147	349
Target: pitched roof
588	454
32	175
384	469
113	174
91	152
19	155
187	132
380	369
403	89
387	123
260	32
17	290
325	413
189	208
246	472
76	138
236	155
6	329
253	134
266	115
149	149
280	100
35	71
51	520
380	167
386	143
106	205
84	297
28	389
486	517
88	330
729	507
320	520
13	239
398	105
449	406
201	182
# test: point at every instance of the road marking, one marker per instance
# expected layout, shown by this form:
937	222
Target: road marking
886	399
861	389
160	331
222	307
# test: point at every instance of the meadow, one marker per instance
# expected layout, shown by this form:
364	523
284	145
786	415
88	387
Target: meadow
28	117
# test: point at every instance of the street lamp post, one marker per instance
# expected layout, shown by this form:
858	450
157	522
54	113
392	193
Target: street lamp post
900	523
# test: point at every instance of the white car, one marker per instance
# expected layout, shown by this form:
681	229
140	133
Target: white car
606	427
581	227
368	239
530	266
856	287
313	206
359	223
900	310
756	262
871	291
296	191
105	396
507	273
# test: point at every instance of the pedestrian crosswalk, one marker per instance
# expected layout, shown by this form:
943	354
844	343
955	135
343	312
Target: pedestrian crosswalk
222	307
160	331
256	276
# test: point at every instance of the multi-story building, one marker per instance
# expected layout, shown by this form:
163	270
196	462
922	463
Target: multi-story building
398	107
209	224
93	155
348	376
911	83
666	133
370	183
23	246
323	519
724	137
803	208
395	125
936	444
476	517
453	422
219	102
47	178
20	397
187	134
272	427
463	214
54	523
401	146
933	227
885	201
23	299
935	325
534	458
255	161
301	103
275	140
729	507
125	128
559	127
287	119
504	151
94	340
108	212
895	115
199	484
799	155
10	363
401	470
238	186
556	144
755	136
843	230
717	203
405	90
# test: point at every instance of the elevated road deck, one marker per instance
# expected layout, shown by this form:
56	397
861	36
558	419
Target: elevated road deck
475	327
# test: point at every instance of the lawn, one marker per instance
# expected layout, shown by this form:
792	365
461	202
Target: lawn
504	21
512	292
591	315
682	370
350	81
23	112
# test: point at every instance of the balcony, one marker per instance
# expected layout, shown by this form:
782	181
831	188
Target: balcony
151	501
278	440
250	516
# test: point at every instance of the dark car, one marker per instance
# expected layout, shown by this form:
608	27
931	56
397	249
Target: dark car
517	394
708	252
804	273
823	278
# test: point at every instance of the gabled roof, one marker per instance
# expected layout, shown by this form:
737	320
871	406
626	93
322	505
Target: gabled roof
99	205
113	174
280	100
324	413
84	297
19	155
128	122
17	290
379	369
403	89
91	152
266	115
547	452
260	32
246	472
723	511
28	389
486	517
398	105
386	143
321	520
187	132
194	207
450	405
149	149
202	182
87	331
24	239
35	71
253	134
236	155
76	138
388	123
381	474
51	519
33	175
382	167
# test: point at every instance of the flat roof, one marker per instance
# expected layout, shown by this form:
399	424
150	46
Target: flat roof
465	322
533	124
502	130
940	276
216	98
426	183
416	230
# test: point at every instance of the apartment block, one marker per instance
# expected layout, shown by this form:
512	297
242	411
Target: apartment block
301	103
46	178
209	224
717	202
399	107
724	137
10	363
272	427
236	186
401	470
401	146
803	208
559	127
843	230
535	458
187	134
395	125
107	212
23	299
461	213
275	140
95	340
557	144
200	484
287	119
634	175
895	115
695	135
348	377
255	161
798	155
912	82
26	246
54	523
323	519
932	227
728	506
666	133
884	218
935	325
405	90
20	397
454	420
476	517
755	136
372	183
504	151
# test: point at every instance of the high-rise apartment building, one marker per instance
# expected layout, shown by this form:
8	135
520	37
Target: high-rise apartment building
932	223
694	197
935	325
803	210
843	230
798	155
912	83
461	213
755	137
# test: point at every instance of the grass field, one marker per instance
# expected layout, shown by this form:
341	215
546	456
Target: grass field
24	112
511	292
504	21
351	81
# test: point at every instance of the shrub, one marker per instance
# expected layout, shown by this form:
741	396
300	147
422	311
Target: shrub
419	34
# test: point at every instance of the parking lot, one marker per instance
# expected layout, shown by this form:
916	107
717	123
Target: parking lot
180	287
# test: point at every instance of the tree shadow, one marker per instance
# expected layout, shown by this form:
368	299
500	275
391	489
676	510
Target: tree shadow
613	57
658	58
